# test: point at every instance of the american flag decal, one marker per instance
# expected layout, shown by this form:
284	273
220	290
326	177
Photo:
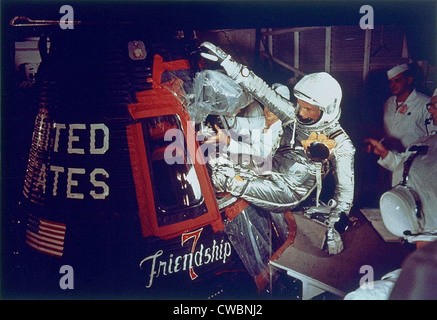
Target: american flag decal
46	236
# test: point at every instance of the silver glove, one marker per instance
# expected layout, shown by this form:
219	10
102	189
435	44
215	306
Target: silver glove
214	53
253	84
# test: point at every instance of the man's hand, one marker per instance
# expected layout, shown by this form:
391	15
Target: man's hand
221	137
376	147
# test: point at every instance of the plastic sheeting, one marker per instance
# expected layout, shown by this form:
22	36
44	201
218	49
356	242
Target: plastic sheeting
217	94
256	234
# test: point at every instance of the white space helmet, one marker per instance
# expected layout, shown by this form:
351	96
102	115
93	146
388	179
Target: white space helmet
401	211
323	91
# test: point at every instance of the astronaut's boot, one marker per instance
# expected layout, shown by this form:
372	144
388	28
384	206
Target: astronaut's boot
333	241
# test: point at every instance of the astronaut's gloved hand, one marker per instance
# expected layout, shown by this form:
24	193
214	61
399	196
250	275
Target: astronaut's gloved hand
221	169
219	181
212	52
333	241
227	181
215	53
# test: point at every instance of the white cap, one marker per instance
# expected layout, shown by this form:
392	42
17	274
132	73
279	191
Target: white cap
393	72
435	93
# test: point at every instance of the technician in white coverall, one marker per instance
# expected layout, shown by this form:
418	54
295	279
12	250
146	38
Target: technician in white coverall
404	112
422	173
293	176
408	211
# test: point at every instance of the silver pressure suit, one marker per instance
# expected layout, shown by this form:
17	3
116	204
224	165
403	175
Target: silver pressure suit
293	175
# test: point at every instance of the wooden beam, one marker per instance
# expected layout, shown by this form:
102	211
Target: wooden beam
270	42
367	43
257	46
289	30
296	49
284	64
328	50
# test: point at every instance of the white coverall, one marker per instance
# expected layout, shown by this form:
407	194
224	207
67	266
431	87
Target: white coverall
421	178
406	122
416	270
256	140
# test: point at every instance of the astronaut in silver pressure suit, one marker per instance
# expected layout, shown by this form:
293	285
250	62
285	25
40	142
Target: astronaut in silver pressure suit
313	120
